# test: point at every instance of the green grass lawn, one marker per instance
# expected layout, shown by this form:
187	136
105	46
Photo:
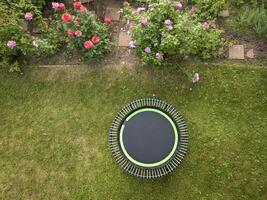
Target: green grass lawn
54	133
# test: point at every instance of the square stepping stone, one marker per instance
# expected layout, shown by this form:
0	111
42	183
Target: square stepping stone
224	13
236	52
124	39
113	13
250	54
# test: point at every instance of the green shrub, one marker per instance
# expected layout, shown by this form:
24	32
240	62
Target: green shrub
11	58
12	29
254	19
50	40
171	33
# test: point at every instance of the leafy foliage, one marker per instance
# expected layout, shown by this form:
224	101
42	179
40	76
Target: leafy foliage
208	9
12	28
253	3
185	35
254	19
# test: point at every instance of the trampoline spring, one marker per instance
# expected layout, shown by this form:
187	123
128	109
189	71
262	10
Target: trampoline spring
157	103
133	171
165	170
136	171
119	158
178	160
180	155
131	168
172	165
168	169
113	142
183	150
123	163
171	109
158	174
128	166
183	146
184	140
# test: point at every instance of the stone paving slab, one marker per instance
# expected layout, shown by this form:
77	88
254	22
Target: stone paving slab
113	13
250	54
124	39
236	52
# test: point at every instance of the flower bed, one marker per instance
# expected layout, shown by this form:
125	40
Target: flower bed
75	29
163	29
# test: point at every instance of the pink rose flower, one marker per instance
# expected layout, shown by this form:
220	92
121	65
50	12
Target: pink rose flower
83	9
132	43
140	9
11	44
66	17
28	16
144	21
158	56
179	5
55	5
88	44
193	9
70	33
78	33
147	50
206	25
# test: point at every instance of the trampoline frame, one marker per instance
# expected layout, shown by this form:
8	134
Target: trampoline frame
148	171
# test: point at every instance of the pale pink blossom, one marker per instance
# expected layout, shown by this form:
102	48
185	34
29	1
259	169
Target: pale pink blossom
196	78
206	25
144	21
158	56
28	16
132	43
147	50
179	5
193	9
140	9
11	44
55	5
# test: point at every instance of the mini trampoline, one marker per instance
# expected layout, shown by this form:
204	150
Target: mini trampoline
148	138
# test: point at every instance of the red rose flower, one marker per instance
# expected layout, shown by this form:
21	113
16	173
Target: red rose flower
83	9
88	44
61	6
107	20
66	17
70	33
77	5
95	39
78	33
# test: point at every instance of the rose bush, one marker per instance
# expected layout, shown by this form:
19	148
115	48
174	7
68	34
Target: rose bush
85	33
162	30
24	33
15	41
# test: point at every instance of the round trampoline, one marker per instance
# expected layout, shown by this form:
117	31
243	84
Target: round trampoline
148	138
